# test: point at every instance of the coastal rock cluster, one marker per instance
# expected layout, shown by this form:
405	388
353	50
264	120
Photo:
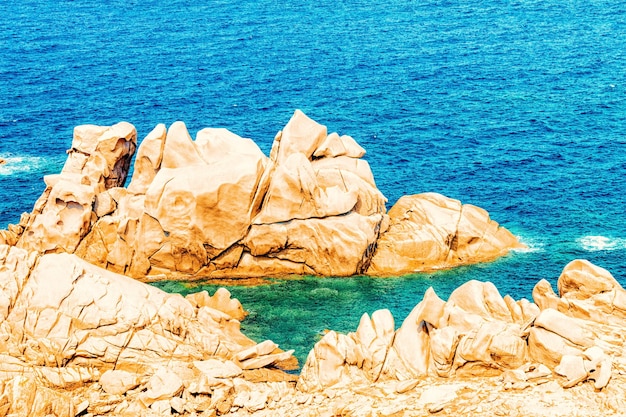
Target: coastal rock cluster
497	356
217	206
80	337
578	334
77	340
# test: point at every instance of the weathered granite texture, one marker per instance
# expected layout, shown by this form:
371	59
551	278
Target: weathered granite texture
578	335
77	340
218	207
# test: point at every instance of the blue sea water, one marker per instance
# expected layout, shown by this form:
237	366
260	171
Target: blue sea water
518	107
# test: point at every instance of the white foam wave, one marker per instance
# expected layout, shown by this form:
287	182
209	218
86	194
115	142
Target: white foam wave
532	245
20	164
598	243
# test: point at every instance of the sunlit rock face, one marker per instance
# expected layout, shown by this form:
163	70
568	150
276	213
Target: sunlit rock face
573	338
431	231
98	160
75	335
217	206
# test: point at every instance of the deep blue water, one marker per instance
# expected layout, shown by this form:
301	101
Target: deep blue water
518	107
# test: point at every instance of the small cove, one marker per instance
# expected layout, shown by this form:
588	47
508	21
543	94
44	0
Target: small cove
296	312
517	108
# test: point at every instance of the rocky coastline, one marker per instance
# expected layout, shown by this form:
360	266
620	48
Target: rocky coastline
81	335
217	207
78	340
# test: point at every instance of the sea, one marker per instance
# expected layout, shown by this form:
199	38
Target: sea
515	106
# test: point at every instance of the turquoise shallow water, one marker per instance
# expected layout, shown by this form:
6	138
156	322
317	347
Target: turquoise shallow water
519	108
295	313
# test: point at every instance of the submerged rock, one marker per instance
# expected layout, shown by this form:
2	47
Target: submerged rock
217	207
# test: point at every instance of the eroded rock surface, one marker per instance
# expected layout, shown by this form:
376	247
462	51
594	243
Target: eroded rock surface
217	206
576	337
431	231
98	160
79	340
76	337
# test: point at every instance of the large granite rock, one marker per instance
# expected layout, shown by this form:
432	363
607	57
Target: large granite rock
72	332
217	206
579	335
431	231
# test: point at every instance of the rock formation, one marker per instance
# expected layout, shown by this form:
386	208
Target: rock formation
76	339
218	207
575	337
431	231
98	160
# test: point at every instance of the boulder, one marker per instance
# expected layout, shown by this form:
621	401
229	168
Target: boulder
217	369
24	396
431	231
163	385
301	135
118	382
580	283
581	279
334	145
264	348
221	300
601	375
77	339
573	369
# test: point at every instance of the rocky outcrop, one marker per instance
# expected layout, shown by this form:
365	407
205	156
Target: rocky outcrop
78	339
98	160
575	337
431	231
476	332
217	206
